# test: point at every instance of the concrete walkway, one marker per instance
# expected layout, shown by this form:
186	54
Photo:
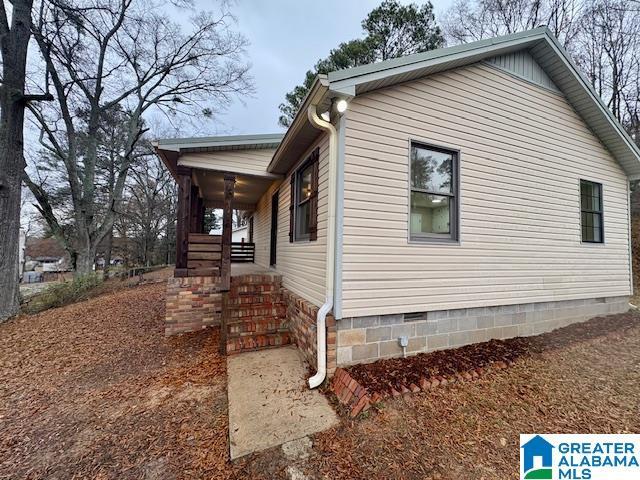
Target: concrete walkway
269	401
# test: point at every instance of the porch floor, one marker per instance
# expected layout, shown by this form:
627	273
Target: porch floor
269	401
239	269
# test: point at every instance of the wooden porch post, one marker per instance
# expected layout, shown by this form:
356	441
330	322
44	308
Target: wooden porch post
184	220
227	226
195	210
201	216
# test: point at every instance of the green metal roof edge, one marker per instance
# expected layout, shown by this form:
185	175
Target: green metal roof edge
540	33
593	94
347	73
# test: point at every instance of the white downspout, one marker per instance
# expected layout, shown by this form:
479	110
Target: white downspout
321	326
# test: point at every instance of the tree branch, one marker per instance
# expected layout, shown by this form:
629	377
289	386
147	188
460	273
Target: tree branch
26	98
4	24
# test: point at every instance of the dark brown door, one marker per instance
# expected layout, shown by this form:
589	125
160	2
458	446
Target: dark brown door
274	227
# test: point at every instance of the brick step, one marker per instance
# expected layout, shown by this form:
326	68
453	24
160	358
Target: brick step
254	290
256	279
258	317
261	326
250	312
258	332
257	342
255	299
238	307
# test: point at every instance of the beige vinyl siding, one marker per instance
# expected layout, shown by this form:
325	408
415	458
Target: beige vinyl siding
302	264
523	151
249	162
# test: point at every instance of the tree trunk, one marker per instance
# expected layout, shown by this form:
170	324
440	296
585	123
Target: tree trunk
85	261
14	45
107	253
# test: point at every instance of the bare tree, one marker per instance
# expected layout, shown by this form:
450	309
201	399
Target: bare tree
602	36
148	206
612	45
117	58
15	32
470	20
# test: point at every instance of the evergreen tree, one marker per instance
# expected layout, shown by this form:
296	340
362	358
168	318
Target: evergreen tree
391	30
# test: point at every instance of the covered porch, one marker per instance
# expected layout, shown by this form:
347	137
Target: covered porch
222	173
199	253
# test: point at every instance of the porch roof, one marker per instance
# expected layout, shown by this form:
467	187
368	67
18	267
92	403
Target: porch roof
247	192
212	144
173	151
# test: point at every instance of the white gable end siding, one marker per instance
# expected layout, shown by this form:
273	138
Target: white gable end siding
302	264
523	151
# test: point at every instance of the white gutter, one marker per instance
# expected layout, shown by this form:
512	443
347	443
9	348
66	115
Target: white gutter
321	325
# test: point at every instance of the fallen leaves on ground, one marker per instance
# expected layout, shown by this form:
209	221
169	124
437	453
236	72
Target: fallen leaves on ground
382	375
584	379
95	390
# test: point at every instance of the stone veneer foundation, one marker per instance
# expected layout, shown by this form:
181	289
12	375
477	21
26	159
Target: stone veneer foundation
193	303
366	339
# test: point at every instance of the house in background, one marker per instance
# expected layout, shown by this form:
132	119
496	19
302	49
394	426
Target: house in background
450	197
46	256
240	234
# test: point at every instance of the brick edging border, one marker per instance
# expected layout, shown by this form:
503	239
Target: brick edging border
357	398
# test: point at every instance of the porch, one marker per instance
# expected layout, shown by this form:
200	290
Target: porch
216	282
198	253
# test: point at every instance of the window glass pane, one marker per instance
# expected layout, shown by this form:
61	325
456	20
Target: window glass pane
430	213
304	184
590	195
303	215
591	227
431	170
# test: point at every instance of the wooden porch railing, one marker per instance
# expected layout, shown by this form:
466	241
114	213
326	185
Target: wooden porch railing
199	254
204	255
243	252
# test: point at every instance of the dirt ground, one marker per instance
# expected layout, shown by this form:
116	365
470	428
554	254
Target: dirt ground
94	390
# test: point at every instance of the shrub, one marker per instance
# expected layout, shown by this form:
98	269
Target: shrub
64	293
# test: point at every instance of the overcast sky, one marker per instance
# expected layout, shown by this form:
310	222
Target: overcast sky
287	37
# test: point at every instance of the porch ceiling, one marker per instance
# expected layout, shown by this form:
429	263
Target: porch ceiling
247	192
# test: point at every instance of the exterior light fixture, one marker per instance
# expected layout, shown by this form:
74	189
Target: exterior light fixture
341	106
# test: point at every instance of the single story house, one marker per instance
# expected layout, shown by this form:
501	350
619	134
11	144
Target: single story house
435	200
